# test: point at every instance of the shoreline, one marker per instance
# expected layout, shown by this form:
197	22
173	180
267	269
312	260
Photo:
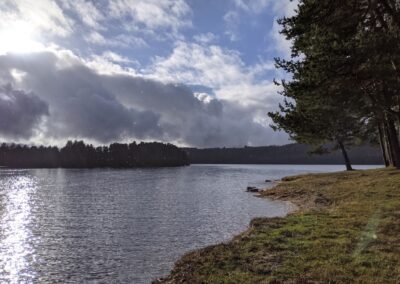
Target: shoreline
325	237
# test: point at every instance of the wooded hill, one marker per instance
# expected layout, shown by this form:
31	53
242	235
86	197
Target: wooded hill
287	154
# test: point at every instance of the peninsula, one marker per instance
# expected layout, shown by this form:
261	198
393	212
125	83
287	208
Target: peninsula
345	231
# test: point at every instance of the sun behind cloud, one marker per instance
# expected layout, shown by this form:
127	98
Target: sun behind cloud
141	65
19	37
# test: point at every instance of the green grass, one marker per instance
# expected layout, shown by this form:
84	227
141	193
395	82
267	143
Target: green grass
347	230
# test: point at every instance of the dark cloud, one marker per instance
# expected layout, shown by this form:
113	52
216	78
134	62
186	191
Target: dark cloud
85	104
20	112
80	106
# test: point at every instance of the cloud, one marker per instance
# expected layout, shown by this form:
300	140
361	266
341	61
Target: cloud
123	24
96	38
253	8
86	11
205	38
281	46
232	21
115	57
79	105
218	68
20	113
110	62
285	8
44	16
242	88
85	104
280	8
197	64
194	93
120	40
152	14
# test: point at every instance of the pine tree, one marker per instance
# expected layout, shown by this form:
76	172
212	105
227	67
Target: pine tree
345	74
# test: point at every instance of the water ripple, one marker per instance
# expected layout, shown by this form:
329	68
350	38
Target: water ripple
123	226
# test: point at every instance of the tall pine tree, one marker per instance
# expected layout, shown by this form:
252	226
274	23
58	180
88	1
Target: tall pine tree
345	74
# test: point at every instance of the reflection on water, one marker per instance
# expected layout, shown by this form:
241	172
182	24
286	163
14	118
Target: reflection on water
15	234
123	226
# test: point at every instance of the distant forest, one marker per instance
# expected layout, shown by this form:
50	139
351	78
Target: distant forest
287	154
77	154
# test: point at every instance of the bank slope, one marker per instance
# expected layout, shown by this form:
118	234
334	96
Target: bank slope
347	230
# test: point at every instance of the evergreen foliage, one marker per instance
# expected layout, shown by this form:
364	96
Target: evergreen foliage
297	154
77	154
345	85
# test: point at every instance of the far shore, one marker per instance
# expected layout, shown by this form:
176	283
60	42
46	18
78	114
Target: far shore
345	229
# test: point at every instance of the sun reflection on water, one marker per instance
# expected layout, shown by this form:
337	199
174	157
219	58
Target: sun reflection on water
15	233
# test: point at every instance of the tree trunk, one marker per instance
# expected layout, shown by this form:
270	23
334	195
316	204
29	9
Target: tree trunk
388	144
398	124
345	156
394	142
384	148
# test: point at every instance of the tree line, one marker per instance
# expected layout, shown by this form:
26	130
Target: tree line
344	86
286	154
77	154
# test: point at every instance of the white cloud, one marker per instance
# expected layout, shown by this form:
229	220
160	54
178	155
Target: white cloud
19	38
110	63
229	110
221	69
121	40
232	21
115	57
118	23
153	14
281	46
128	40
254	7
238	85
96	38
18	75
88	13
284	7
44	16
85	104
205	38
194	63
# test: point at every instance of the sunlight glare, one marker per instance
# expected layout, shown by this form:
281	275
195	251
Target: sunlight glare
15	247
19	38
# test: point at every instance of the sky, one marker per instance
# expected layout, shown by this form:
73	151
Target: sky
190	72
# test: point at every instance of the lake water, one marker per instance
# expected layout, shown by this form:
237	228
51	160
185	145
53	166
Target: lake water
124	226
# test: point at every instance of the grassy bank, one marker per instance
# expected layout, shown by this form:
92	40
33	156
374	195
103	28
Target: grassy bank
347	230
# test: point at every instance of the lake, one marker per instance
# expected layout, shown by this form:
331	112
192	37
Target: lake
124	226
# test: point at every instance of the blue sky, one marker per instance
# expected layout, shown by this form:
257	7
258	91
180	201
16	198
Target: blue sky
191	72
